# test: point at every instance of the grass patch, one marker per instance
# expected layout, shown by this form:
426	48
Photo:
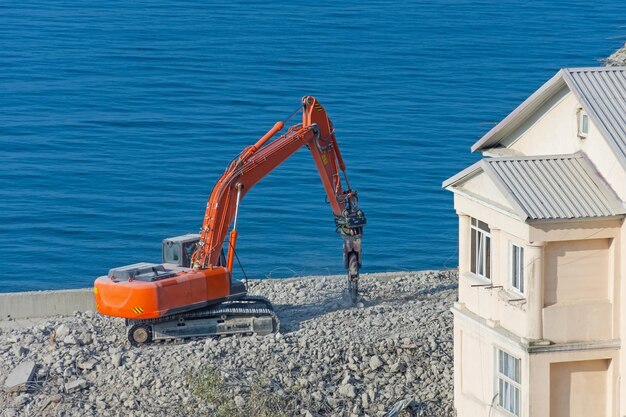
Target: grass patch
262	398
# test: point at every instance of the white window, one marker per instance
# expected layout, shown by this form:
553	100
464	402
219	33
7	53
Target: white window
508	381
583	123
480	249
517	268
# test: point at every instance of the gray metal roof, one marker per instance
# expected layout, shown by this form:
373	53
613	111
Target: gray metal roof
601	92
553	187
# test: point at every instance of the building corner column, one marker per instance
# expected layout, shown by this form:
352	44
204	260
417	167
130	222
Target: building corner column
498	258
464	242
534	271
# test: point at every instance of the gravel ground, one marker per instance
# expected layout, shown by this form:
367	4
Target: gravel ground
330	359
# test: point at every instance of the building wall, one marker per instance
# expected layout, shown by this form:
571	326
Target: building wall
571	286
577	302
603	158
581	382
476	292
620	310
475	365
551	130
483	187
574	381
571	384
572	294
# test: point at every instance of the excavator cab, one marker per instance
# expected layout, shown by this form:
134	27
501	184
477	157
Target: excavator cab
179	249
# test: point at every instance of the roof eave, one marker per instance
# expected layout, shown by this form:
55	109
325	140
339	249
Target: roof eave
486	203
467	172
532	221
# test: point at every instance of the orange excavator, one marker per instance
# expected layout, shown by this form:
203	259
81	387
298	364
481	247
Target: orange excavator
193	293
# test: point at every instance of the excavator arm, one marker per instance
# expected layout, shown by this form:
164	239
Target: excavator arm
255	162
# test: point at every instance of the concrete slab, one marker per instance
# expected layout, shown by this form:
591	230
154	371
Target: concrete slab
76	385
21	377
19	305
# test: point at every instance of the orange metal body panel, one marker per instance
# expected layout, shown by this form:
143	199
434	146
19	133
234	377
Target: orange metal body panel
146	300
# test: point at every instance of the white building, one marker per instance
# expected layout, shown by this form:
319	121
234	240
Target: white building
538	324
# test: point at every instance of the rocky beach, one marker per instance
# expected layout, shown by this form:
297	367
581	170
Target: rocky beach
391	355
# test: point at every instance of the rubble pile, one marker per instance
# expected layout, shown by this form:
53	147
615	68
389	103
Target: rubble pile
331	359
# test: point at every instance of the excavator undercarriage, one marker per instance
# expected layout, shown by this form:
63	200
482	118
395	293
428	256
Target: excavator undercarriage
248	315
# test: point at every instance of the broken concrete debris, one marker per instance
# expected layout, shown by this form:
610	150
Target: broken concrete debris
21	378
330	358
75	385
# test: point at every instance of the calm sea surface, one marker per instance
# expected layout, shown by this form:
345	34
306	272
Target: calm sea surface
117	117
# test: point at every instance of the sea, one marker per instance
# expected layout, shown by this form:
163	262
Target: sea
117	118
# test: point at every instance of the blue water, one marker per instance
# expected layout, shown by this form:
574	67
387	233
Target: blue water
117	117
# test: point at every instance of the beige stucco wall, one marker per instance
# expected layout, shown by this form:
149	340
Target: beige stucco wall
475	291
480	185
603	158
580	380
570	285
620	311
579	291
497	219
577	271
551	130
578	299
571	384
575	230
592	394
474	363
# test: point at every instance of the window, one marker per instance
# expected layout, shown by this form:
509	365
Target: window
480	249
583	123
517	268
508	382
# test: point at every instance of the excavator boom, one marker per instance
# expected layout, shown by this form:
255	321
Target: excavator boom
255	162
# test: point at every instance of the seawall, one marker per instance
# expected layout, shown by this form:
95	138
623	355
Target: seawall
18	305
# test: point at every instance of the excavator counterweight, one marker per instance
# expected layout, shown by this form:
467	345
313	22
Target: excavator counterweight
192	293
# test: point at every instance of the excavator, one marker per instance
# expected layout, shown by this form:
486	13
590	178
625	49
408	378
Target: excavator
192	293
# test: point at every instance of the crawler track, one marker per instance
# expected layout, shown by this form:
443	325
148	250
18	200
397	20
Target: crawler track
249	315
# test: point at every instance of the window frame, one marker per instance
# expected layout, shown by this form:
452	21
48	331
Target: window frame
516	386
517	271
480	232
582	118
